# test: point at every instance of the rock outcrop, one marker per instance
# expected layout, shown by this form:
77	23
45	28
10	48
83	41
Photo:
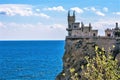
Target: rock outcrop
76	50
80	42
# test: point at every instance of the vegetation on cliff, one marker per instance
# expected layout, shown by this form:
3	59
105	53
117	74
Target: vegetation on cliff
101	67
84	60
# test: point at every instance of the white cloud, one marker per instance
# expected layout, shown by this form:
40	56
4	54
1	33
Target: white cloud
42	15
94	10
117	13
58	26
100	13
77	9
97	11
19	9
105	9
1	24
103	24
86	8
38	10
58	8
38	31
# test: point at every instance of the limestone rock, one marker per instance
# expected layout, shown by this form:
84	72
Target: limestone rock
74	56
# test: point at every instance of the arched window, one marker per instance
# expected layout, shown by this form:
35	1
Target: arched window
108	35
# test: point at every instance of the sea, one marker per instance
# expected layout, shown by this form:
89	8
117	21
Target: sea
31	60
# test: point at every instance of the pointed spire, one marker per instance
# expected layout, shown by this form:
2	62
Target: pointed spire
69	13
82	25
74	13
89	24
90	27
116	25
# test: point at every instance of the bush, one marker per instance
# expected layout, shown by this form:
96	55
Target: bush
101	67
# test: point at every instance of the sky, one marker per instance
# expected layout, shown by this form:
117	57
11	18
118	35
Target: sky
47	19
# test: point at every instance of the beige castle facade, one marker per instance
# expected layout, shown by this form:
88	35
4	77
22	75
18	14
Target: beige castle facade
78	30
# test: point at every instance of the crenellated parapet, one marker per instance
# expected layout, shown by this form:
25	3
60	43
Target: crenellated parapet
78	30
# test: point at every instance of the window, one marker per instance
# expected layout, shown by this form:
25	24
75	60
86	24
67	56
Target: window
94	34
75	26
117	34
69	26
108	35
69	34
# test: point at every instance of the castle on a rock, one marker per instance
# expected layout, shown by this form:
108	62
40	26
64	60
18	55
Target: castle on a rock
78	30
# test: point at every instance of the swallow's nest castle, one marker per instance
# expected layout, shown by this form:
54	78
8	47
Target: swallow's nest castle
80	42
79	32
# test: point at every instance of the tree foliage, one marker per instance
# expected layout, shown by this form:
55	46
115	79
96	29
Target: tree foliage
101	67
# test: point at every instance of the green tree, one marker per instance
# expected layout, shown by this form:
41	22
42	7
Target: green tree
101	67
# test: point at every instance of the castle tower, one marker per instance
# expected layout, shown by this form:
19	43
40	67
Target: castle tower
108	33
116	26
82	26
71	20
116	31
90	27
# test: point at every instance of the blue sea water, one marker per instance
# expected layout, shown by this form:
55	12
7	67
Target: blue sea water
30	60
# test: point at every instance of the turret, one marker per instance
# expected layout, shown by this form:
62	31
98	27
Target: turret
90	27
116	31
108	33
71	19
82	26
74	14
89	24
68	13
116	25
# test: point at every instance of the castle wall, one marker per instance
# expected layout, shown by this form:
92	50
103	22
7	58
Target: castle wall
76	33
108	32
85	29
94	33
75	25
103	42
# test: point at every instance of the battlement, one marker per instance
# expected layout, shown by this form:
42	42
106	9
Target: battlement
78	30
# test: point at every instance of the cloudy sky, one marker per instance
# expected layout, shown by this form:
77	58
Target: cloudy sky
47	19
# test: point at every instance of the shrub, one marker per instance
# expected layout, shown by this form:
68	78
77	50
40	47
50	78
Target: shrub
101	67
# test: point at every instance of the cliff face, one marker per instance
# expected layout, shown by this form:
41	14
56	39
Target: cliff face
76	50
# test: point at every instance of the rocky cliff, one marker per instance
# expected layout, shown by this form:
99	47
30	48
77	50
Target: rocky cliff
76	50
